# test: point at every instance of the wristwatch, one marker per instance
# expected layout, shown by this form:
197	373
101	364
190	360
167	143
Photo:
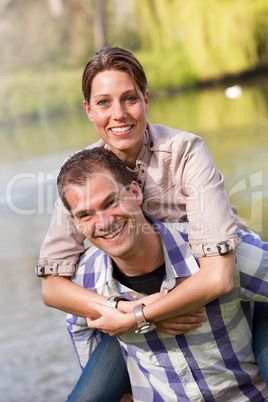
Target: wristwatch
143	325
112	301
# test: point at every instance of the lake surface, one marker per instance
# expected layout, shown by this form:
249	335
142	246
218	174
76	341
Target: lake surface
37	359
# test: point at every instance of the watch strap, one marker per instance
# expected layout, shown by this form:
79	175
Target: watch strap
140	318
143	325
112	301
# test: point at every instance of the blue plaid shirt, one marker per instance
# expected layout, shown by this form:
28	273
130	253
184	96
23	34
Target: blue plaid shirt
212	363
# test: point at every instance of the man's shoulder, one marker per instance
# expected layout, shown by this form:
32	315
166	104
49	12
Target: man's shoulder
170	228
91	268
91	256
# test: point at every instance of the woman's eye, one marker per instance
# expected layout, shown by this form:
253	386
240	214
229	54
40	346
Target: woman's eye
102	102
131	98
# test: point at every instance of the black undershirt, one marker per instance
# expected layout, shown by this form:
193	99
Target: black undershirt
147	283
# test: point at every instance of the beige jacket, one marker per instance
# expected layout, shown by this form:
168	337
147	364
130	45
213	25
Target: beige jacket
179	181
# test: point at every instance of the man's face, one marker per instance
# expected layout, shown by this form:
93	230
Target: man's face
107	213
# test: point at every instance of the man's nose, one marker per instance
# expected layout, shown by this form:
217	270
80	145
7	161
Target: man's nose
104	220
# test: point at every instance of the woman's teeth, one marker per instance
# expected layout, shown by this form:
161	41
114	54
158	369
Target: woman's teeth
120	129
113	234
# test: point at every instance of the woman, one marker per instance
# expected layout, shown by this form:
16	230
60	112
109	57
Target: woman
175	171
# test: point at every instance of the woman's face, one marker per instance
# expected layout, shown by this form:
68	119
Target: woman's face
118	112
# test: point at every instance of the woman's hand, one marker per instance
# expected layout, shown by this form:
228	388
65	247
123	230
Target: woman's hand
182	323
112	321
128	306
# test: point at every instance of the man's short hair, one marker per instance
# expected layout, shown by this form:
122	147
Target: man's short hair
78	169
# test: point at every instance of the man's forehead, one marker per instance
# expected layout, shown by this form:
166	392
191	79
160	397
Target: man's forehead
97	188
103	179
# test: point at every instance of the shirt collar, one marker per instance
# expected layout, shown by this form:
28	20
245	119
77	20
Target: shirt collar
179	261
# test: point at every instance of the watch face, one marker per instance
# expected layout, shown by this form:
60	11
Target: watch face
110	303
147	328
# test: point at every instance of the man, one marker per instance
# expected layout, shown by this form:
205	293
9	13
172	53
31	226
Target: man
133	255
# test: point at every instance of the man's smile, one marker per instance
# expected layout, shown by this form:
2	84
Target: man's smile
114	233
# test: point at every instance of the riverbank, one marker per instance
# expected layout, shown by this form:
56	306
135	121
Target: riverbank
31	97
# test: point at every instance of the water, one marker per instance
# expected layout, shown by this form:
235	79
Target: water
37	359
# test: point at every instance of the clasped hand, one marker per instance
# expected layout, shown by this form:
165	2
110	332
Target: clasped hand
116	322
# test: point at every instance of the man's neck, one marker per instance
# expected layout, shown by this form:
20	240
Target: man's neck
146	256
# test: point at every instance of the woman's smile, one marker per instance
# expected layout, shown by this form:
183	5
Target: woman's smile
121	130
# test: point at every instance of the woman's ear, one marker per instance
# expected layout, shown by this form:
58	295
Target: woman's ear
136	191
146	100
88	111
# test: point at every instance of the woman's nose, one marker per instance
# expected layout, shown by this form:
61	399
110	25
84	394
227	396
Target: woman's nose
119	111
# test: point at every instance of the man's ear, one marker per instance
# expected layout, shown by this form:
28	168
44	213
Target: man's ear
136	191
79	226
88	111
75	221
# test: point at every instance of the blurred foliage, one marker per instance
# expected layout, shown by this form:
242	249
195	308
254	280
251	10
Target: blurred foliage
218	37
34	95
179	43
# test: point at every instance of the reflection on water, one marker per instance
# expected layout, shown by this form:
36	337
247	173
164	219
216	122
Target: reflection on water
38	362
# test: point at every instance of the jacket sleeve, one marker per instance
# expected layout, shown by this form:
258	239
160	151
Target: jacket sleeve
212	226
62	246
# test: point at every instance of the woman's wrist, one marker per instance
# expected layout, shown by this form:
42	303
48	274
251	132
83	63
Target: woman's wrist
127	306
123	306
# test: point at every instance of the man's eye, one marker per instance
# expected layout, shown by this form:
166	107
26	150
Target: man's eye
113	203
85	217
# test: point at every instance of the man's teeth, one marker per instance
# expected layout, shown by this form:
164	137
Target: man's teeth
113	234
121	129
